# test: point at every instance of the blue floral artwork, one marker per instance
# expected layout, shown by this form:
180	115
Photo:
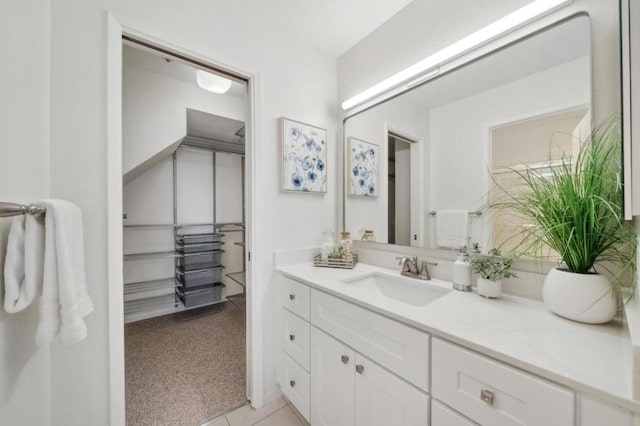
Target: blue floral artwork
363	168
304	157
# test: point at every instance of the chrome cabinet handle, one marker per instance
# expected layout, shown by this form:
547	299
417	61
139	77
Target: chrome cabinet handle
486	396
292	337
292	296
344	359
292	383
359	368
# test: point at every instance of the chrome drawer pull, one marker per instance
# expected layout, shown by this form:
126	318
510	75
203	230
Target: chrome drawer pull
292	297
486	396
344	359
292	337
292	383
359	368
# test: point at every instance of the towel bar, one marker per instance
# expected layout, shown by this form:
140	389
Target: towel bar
472	213
13	209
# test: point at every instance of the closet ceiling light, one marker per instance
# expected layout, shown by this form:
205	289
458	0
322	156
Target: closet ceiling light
212	82
500	27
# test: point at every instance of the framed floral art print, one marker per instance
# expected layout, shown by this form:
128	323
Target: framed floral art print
304	157
363	168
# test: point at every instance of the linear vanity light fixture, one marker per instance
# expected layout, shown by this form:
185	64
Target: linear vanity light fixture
429	65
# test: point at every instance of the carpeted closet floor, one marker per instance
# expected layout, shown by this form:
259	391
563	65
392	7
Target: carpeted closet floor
184	368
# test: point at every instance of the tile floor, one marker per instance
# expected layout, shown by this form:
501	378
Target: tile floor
276	413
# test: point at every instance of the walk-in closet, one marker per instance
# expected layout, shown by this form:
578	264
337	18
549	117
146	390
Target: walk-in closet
184	239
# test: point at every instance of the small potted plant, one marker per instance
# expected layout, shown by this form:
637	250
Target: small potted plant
492	268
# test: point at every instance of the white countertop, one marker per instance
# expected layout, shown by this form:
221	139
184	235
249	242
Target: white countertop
520	332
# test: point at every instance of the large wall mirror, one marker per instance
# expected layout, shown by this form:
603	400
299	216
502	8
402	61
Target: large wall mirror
420	164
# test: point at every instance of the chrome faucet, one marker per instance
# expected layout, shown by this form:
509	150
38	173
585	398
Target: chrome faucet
410	267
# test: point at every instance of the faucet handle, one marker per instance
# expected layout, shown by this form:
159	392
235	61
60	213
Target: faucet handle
424	271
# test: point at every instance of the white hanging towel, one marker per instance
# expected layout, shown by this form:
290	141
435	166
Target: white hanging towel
65	301
24	262
452	228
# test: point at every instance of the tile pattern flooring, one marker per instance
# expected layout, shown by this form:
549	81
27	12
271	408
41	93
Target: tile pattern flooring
185	368
276	413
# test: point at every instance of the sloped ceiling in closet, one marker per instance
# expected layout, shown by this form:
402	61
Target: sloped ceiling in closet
210	131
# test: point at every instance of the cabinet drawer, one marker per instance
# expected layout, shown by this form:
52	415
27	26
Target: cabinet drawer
397	347
295	338
443	416
294	383
294	296
462	379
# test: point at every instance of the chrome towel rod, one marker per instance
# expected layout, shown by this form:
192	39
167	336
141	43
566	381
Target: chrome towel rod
473	213
13	209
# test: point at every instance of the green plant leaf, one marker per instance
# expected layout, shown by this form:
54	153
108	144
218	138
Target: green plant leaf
575	208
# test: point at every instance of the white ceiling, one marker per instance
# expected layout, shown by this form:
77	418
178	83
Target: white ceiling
332	26
155	63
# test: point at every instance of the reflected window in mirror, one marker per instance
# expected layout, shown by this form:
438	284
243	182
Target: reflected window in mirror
537	143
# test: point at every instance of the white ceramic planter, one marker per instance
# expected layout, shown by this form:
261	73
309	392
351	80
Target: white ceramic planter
579	297
488	288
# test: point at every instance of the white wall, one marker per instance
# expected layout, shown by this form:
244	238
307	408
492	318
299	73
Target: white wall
25	373
460	153
295	81
146	94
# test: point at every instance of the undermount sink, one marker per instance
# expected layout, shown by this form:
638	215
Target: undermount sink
406	290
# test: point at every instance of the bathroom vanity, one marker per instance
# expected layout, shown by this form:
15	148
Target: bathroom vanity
368	347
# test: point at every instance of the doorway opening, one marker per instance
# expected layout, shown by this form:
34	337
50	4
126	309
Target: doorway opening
184	237
399	189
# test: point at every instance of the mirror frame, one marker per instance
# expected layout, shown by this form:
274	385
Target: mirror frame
521	264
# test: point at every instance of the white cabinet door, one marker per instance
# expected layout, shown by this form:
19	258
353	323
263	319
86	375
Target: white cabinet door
443	416
382	399
332	381
594	412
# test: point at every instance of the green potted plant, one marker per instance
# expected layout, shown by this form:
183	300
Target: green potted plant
491	268
575	209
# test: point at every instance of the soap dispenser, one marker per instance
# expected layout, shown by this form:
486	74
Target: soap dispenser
462	271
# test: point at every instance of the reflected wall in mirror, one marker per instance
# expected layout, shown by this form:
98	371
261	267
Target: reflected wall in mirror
443	143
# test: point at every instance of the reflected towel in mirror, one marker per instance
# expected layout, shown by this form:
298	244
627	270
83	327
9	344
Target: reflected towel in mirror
452	228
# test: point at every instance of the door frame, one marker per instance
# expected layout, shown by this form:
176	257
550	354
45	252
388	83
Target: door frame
254	331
